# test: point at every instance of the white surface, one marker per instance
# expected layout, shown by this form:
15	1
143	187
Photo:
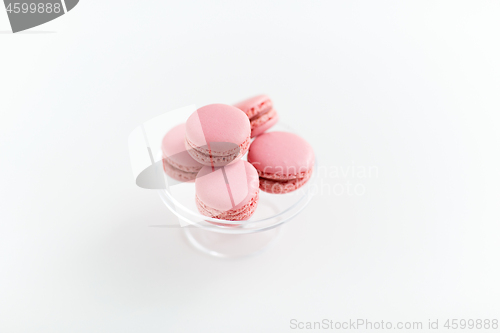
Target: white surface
410	88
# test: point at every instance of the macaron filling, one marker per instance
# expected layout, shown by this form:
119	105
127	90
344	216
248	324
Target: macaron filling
243	212
261	118
285	176
282	186
177	173
217	156
261	108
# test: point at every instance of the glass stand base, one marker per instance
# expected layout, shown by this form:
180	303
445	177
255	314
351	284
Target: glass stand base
230	245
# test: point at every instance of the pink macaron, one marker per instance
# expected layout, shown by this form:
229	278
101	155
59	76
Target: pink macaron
260	111
177	163
217	134
284	161
228	193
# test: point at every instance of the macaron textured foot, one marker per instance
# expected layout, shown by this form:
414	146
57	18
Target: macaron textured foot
228	193
177	162
217	134
284	161
260	111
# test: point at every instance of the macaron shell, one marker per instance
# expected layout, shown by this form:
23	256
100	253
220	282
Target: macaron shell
263	123
281	155
255	105
227	188
217	123
174	150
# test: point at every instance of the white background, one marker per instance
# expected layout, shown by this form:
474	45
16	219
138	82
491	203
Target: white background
412	88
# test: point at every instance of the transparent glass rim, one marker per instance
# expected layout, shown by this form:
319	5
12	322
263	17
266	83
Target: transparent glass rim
195	219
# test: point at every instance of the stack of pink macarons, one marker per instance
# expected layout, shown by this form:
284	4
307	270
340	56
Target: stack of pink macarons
208	149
